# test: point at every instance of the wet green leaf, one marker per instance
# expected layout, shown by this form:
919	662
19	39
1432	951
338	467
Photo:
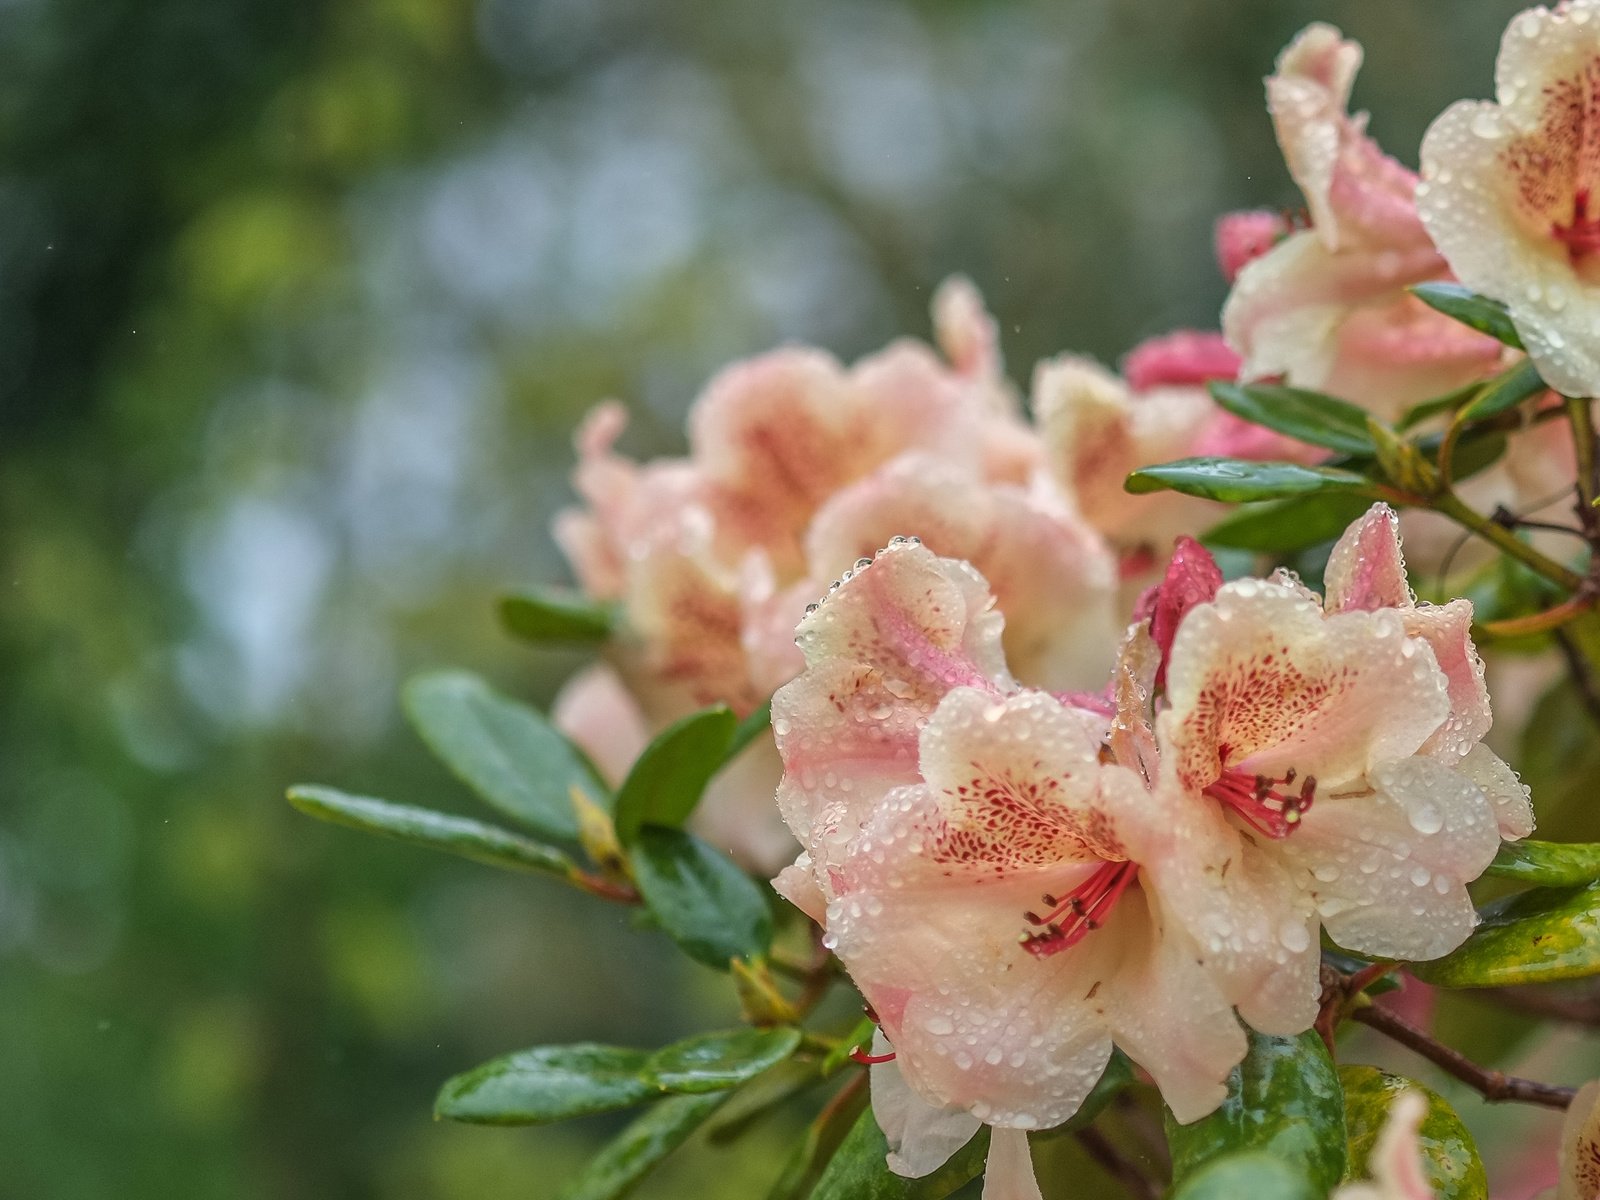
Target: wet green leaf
1449	1157
1465	305
1548	864
706	904
1283	1100
714	1061
671	773
1520	383
503	750
551	615
1537	936
1248	1175
1305	416
435	830
547	1083
858	1170
823	1137
1237	480
1280	526
634	1152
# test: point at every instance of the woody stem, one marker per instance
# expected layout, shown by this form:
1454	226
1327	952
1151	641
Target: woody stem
1492	1085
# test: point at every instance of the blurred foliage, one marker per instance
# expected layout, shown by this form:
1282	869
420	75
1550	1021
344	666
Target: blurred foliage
297	303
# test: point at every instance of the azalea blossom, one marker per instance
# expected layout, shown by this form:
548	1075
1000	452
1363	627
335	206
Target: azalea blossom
797	466
1396	1160
1579	1156
1334	752
1326	306
995	886
1511	191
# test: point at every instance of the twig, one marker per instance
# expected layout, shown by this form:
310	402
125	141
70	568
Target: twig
1119	1168
1451	505
1492	1085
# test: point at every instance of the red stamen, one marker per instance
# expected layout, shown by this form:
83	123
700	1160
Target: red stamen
860	1055
1261	804
1582	236
1085	909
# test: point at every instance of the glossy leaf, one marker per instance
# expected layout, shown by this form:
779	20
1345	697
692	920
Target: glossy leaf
706	904
1538	936
1475	454
634	1152
1249	1175
1237	480
1520	383
1283	1100
1548	864
1280	526
547	1083
550	615
671	773
1449	1158
858	1170
1465	305
715	1061
503	750
435	830
1305	416
823	1138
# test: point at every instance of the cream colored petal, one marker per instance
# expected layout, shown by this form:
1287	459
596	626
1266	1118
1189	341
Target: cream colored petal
921	1136
1580	1146
1008	1174
1508	795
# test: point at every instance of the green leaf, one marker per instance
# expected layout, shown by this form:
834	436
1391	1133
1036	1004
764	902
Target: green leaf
634	1152
1449	1158
1249	1175
1237	480
1281	526
1475	454
547	1083
858	1171
715	1061
551	615
1548	864
1283	1100
504	751
706	904
435	830
1465	305
1520	383
755	725
1538	936
822	1140
671	773
1305	416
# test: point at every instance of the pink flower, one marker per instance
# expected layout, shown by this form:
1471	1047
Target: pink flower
797	467
1579	1156
1334	753
1326	307
1510	190
1396	1160
1098	428
995	887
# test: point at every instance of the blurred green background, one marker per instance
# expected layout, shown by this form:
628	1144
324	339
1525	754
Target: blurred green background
298	303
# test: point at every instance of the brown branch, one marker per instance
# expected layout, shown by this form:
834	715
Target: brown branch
1118	1167
1492	1085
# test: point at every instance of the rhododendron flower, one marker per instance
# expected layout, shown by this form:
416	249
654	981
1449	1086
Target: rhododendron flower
994	885
1396	1159
1326	307
1336	756
1098	428
1511	190
797	467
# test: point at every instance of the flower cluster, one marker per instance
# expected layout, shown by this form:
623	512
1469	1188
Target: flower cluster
1017	880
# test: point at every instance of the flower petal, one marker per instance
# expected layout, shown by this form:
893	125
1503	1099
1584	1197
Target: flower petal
1389	866
921	1136
597	712
1366	569
1260	680
1008	1173
1508	795
1580	1146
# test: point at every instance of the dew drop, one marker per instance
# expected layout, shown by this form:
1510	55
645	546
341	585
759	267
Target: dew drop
939	1025
1425	818
1294	938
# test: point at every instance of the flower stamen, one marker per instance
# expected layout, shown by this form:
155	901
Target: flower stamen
1262	802
1085	909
